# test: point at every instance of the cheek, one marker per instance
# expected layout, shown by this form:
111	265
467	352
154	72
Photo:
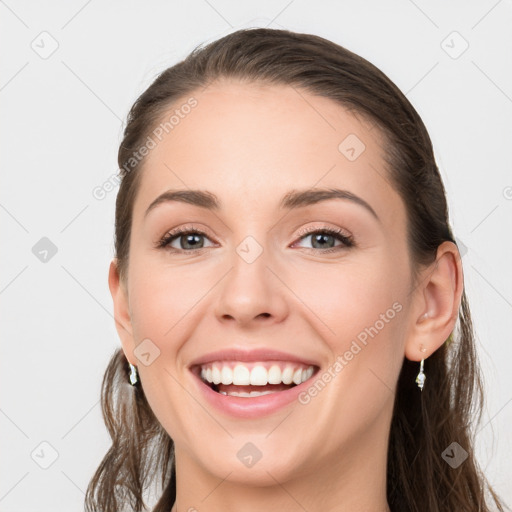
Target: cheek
163	312
359	307
164	297
352	301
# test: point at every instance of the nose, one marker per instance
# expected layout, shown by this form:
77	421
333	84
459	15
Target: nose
251	293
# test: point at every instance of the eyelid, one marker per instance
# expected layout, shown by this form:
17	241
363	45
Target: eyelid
315	229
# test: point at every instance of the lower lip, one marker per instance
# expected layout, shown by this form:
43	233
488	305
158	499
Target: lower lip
251	407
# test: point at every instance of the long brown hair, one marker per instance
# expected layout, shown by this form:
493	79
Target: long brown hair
424	424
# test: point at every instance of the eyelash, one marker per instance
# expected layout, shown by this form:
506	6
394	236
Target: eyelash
347	241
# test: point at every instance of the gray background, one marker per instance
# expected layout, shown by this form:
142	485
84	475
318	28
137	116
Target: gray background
61	124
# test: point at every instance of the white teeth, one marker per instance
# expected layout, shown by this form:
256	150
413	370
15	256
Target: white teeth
227	375
243	393
241	375
274	375
255	374
216	374
287	375
259	376
297	376
309	373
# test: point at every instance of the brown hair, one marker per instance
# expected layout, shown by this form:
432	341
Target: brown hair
424	424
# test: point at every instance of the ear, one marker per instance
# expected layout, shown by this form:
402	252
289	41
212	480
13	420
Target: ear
121	311
436	303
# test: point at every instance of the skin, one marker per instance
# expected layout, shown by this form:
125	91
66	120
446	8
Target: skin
249	144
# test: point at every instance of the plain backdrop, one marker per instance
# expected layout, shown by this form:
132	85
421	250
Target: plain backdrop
69	73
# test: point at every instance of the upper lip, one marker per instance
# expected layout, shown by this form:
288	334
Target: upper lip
250	355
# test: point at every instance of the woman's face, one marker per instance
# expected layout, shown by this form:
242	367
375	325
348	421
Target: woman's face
256	284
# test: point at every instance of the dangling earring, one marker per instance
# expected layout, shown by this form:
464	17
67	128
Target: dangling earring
133	374
420	379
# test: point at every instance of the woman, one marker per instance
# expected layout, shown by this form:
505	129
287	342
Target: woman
288	294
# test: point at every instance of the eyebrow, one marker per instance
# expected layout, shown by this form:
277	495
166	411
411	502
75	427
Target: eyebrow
291	200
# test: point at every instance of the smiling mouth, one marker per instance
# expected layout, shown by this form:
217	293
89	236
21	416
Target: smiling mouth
241	379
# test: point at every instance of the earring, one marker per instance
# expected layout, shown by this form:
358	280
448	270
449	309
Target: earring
420	379
133	374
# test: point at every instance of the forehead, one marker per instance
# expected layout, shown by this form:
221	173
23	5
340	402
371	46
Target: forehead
250	143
